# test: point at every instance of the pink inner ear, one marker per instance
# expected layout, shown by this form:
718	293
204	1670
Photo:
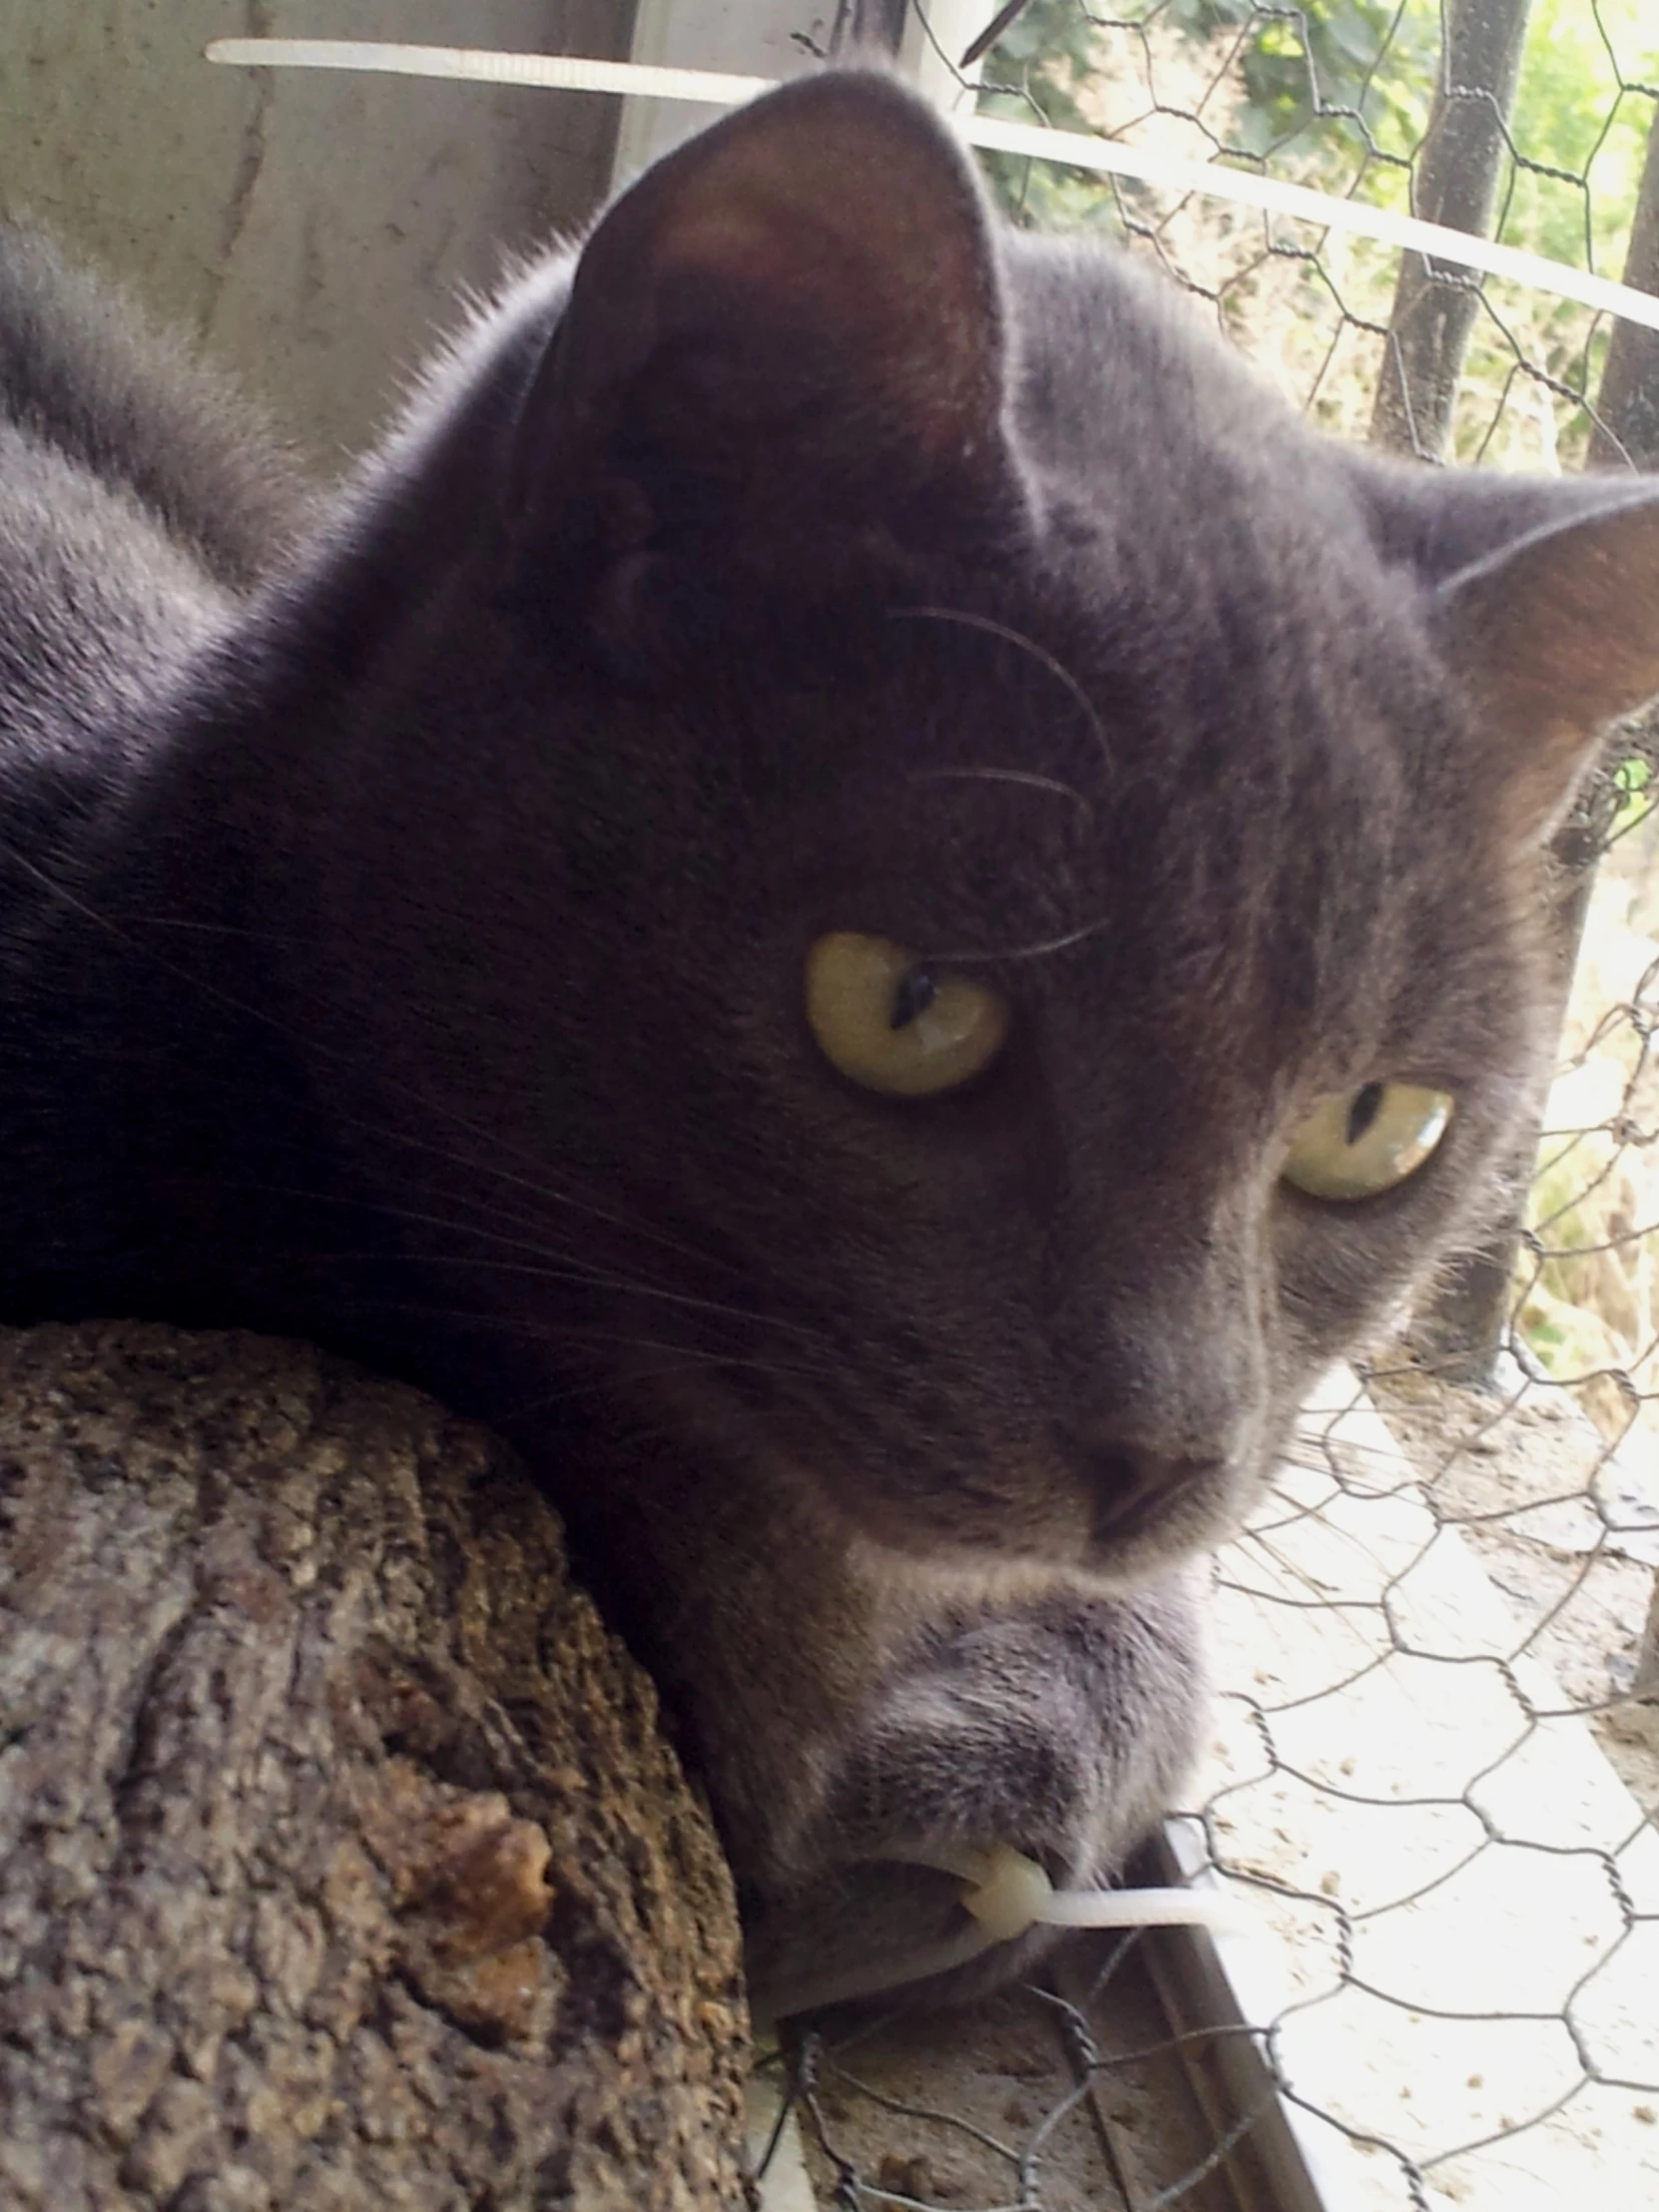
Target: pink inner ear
1558	637
749	280
835	224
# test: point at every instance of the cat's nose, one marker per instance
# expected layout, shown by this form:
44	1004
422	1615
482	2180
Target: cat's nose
1133	1490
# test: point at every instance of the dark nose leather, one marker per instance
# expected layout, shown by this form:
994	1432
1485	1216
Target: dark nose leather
1132	1490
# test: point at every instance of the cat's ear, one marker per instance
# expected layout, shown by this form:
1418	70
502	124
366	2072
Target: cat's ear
1558	635
797	312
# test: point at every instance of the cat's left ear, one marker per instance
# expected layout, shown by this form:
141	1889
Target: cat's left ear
794	314
1556	635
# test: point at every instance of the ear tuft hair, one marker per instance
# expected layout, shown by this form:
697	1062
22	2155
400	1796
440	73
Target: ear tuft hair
799	310
1557	636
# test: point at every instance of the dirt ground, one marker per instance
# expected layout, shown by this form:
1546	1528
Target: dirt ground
1522	1471
997	2106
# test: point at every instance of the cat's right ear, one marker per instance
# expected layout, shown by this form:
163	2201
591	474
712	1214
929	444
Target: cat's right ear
1557	636
1544	596
795	317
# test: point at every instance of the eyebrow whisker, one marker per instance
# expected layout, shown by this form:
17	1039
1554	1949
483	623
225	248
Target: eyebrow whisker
1026	777
1030	646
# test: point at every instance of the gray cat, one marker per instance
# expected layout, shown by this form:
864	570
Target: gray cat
853	889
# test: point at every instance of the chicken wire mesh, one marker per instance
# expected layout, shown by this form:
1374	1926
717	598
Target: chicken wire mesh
1435	1764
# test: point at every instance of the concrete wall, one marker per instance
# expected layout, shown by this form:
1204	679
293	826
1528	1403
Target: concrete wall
312	229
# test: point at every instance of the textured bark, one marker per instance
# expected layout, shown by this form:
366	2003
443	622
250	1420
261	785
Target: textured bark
1454	183
1461	1329
341	1864
1626	425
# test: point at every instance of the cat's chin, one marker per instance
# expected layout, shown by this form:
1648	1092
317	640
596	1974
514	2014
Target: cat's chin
888	1934
1043	1728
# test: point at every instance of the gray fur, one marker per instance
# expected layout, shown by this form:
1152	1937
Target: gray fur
403	932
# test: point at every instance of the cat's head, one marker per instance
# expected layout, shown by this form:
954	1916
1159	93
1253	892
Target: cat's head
993	877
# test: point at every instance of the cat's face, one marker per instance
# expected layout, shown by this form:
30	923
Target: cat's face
877	644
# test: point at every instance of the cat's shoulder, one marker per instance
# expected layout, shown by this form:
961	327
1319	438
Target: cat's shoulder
86	379
141	500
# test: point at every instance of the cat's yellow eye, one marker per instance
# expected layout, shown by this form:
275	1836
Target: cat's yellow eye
1357	1144
895	1023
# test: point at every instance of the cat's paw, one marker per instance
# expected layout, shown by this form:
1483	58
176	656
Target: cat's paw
1062	1729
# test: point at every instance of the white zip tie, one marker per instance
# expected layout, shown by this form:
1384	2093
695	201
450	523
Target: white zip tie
1009	1894
477	64
1074	148
1005	1895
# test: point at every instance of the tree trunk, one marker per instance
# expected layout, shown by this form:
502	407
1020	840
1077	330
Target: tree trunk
1461	1329
1626	425
1454	183
341	1865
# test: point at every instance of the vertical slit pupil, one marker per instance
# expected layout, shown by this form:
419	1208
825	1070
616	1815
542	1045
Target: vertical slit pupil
915	993
1364	1110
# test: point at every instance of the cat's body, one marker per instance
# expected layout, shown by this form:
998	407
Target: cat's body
407	951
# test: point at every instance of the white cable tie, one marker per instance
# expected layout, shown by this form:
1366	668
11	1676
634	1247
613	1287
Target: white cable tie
477	64
1072	149
1330	211
1005	1895
1014	1893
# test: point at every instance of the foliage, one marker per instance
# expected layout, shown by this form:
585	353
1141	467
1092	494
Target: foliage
1051	43
1573	116
1047	58
1333	79
1337	94
1364	65
1324	88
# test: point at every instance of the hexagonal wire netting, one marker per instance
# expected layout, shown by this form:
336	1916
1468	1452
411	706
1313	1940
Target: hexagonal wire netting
1432	1766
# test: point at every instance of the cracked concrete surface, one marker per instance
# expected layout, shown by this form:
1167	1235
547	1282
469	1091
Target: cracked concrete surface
314	230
